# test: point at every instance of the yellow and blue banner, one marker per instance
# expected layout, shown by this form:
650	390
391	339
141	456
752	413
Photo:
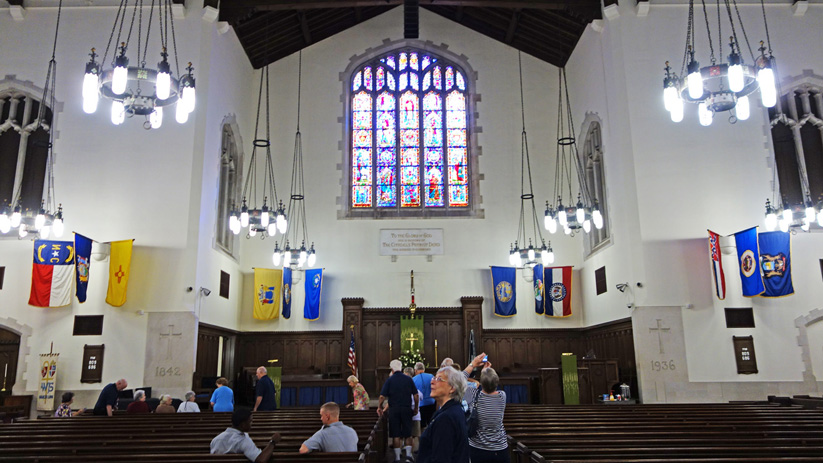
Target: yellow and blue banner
748	256
119	267
537	279
267	289
775	263
82	251
503	284
286	292
313	287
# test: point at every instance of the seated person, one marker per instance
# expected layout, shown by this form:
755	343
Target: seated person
165	405
64	410
189	406
139	404
334	436
236	440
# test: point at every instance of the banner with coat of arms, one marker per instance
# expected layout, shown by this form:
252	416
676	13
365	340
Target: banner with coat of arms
503	284
48	379
267	288
775	263
558	293
82	252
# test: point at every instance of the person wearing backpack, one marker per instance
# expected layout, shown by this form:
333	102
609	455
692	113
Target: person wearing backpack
487	436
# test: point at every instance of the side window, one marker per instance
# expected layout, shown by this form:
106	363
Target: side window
228	193
592	162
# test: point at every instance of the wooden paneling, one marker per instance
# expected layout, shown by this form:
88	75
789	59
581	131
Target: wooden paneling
304	352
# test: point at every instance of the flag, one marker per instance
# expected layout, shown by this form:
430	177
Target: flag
82	246
119	265
51	273
537	278
313	286
472	348
267	285
748	257
558	283
505	301
717	265
352	362
286	292
775	261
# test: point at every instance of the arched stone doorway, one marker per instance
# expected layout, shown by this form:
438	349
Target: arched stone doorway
9	353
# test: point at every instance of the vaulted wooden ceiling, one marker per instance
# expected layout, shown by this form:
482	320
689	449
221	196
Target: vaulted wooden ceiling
546	29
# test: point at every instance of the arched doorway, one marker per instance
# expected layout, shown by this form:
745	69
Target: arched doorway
9	352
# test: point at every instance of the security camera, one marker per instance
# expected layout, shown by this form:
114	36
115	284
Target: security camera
629	305
205	291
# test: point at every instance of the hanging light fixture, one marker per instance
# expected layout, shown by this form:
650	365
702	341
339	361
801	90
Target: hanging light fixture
266	220
579	212
48	219
137	89
286	255
537	250
720	86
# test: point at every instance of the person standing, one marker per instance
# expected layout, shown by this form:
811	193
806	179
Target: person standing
399	390
334	436
236	440
423	381
446	438
107	401
264	392
359	395
490	444
222	400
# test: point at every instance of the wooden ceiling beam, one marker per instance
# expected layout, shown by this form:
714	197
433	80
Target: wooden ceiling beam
273	5
512	26
304	27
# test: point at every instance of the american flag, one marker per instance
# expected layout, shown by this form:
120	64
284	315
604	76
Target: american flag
352	356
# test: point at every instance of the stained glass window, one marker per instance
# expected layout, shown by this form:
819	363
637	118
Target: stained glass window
409	134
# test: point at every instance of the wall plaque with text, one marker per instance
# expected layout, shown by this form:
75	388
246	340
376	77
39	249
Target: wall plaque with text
411	242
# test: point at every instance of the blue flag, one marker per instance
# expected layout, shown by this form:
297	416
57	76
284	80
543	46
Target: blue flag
286	292
775	261
82	251
313	285
537	278
748	257
503	279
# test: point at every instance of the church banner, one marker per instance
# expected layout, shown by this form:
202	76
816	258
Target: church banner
267	288
82	246
52	273
748	256
48	378
558	283
503	285
313	287
286	293
411	334
119	268
775	262
537	279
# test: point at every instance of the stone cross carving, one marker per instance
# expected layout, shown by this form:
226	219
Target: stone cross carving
169	338
659	329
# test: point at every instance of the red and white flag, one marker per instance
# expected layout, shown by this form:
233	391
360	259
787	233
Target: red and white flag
717	265
557	282
352	362
52	273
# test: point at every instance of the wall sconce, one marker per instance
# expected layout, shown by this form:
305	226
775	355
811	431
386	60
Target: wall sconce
622	287
205	291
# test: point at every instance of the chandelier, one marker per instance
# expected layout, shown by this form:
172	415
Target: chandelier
286	254
721	86
140	90
48	219
573	216
266	221
537	250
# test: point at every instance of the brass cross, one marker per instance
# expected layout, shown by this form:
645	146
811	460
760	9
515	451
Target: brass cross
411	339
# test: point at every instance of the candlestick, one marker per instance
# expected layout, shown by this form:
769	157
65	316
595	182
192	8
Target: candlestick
389	344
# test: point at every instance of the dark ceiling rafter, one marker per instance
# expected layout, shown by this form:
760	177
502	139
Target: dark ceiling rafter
270	30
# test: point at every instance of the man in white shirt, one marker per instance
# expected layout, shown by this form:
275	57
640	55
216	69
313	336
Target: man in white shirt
236	439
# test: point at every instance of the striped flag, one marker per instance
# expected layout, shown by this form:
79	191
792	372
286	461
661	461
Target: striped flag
52	273
558	284
352	356
717	265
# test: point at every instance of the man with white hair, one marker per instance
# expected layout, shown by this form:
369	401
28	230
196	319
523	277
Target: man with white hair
447	362
107	401
264	392
399	389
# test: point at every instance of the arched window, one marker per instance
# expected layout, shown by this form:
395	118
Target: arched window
409	137
228	193
592	154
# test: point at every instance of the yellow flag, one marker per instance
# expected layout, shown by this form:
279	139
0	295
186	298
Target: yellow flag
268	285
119	264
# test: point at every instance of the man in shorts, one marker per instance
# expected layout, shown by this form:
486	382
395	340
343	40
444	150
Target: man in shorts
399	390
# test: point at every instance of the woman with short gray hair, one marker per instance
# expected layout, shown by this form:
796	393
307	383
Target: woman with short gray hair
189	405
138	404
165	405
489	444
445	438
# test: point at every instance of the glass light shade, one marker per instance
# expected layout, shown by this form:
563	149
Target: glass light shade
275	258
163	85
236	228
5	223
784	225
16	218
119	79
232	220
810	214
312	259
271	229
597	218
282	223
548	257
742	110
768	90
57	227
286	258
513	257
704	115
550	223
788	215
580	215
118	112
531	254
156	117
736	81
677	111
544	257
90	93
244	219
669	97
561	217
264	218
180	113
805	226
695	84
188	98
22	232
39	221
567	230
44	232
819	218
518	261
587	226
252	231
771	221
303	255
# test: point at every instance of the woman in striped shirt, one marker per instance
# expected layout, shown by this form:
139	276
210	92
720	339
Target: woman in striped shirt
490	443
